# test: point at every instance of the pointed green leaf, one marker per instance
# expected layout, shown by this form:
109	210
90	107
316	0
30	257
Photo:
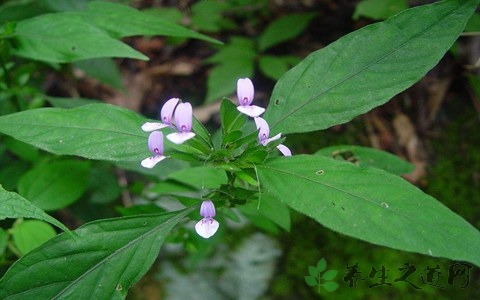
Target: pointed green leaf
321	265
235	60
122	21
102	259
366	68
92	33
311	281
15	206
284	29
370	204
103	69
55	184
329	275
232	119
65	37
379	9
273	66
95	131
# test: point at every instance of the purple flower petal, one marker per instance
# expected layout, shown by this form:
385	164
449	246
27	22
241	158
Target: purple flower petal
155	143
285	150
180	137
167	111
263	130
251	111
206	227
207	209
245	91
183	117
151	126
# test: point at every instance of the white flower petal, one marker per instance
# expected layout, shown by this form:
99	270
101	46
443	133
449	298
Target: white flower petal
151	126
274	138
150	162
251	110
180	137
284	149
206	227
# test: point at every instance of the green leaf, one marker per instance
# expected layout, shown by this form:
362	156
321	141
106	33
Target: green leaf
22	150
205	142
200	177
369	204
92	33
55	184
232	119
124	248
20	10
313	271
330	286
284	29
14	206
379	9
103	69
235	60
207	15
272	209
273	66
321	265
28	235
473	24
10	173
122	21
3	241
366	68
66	37
311	281
365	156
62	102
95	131
103	186
329	275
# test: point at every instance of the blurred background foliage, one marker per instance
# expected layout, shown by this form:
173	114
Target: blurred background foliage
433	125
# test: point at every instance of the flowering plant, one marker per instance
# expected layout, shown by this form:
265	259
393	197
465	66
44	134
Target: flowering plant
246	161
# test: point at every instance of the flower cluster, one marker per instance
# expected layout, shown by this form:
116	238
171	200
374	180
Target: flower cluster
207	226
178	115
182	116
245	92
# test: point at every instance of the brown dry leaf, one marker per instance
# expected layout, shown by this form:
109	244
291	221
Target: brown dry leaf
408	139
437	90
176	68
205	112
135	87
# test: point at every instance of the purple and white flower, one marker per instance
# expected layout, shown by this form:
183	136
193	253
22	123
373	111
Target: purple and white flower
155	145
183	123
245	92
207	226
165	115
264	133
